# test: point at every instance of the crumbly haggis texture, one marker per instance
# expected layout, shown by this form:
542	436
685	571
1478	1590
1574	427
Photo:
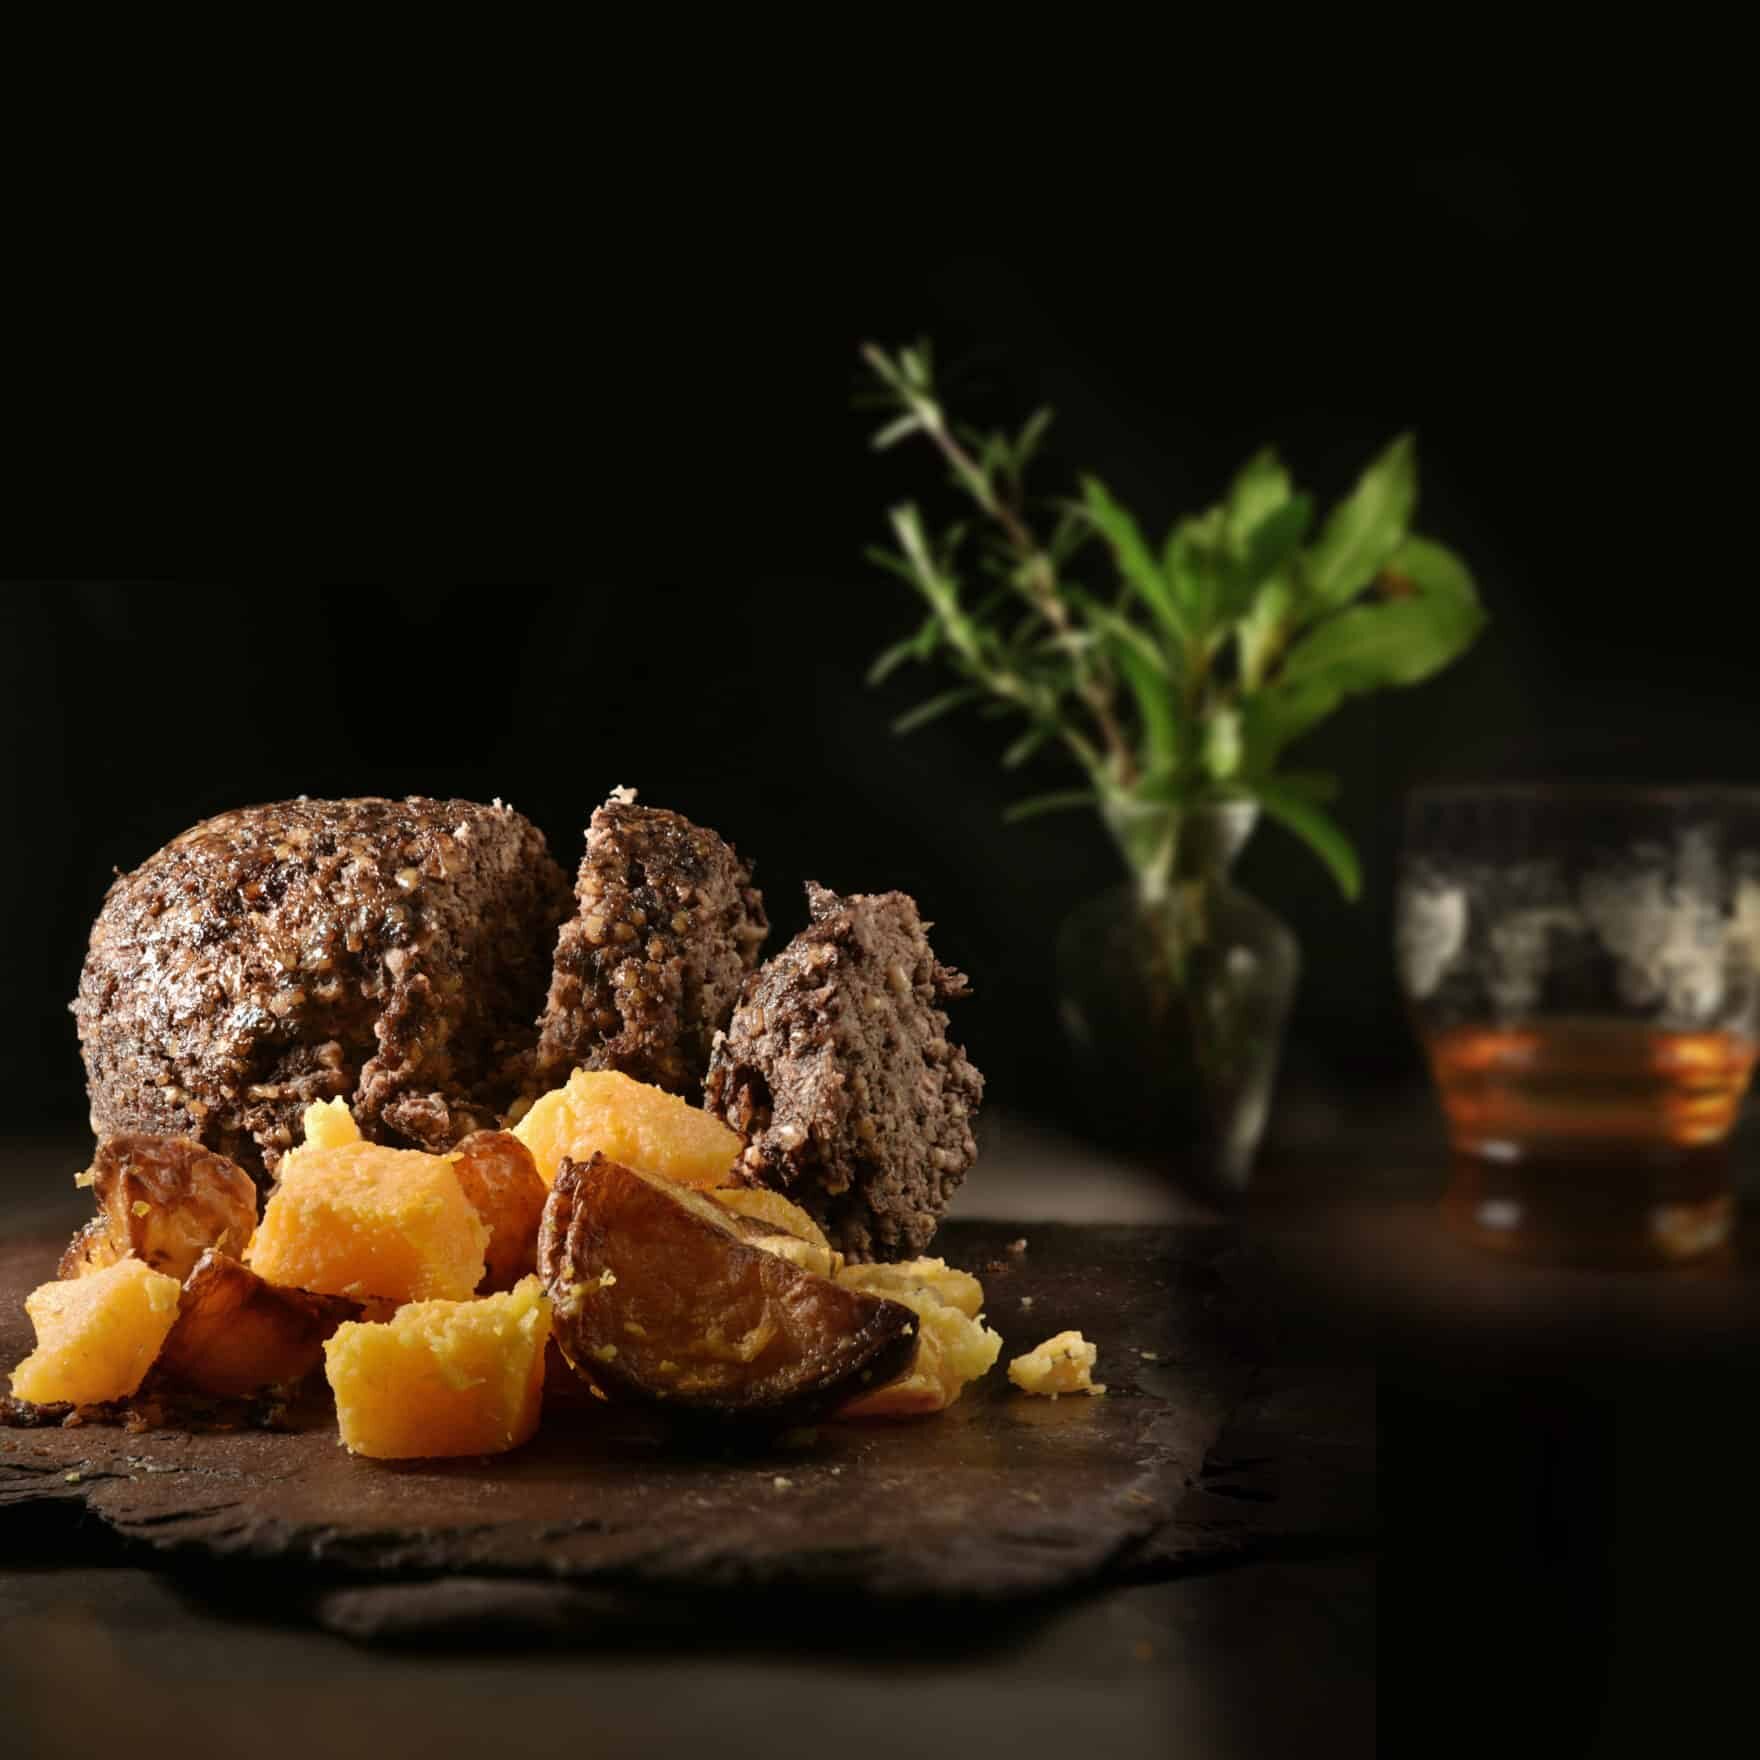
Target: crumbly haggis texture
838	1070
392	953
648	969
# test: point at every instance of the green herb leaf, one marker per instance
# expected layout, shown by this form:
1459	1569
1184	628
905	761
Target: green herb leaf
1274	716
888	662
1260	632
1435	573
1070	533
1027	442
939	588
1156	702
1135	561
892	562
1144	669
1223	746
1190	563
1049	803
1260	487
1296	812
1271	543
895	431
1265	551
1024	747
1395	640
914	647
1365	529
1374	644
936	707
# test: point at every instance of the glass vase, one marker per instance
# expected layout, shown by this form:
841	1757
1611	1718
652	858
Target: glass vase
1175	1008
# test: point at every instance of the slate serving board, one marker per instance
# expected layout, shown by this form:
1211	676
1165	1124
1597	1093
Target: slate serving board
1004	1497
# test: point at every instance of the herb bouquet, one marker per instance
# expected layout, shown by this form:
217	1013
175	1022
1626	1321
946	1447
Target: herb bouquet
1175	681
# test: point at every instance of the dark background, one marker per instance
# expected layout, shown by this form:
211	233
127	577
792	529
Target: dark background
1555	334
642	402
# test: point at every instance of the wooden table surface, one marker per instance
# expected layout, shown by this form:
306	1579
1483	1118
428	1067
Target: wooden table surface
1527	1419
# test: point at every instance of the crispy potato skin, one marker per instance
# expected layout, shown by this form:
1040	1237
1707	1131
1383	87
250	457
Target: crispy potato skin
659	1299
235	1333
166	1200
507	1192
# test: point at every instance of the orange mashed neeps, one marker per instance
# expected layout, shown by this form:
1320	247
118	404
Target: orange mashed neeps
369	1223
97	1336
442	1378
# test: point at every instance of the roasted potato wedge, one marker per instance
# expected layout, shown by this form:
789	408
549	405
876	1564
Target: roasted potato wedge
502	1182
166	1200
235	1333
659	1298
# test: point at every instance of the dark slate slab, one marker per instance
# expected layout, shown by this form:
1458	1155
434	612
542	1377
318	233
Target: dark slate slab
609	1517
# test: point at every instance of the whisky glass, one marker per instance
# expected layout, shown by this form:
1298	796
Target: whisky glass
1581	965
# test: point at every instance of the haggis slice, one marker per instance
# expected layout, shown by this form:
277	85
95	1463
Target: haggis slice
838	1069
648	969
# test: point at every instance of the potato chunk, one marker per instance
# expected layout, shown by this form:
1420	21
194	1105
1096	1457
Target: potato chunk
166	1200
362	1221
771	1221
603	1112
328	1124
1063	1364
660	1298
236	1334
442	1378
952	1288
954	1348
778	1213
97	1335
501	1180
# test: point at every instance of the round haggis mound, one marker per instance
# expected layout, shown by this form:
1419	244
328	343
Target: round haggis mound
838	1069
392	953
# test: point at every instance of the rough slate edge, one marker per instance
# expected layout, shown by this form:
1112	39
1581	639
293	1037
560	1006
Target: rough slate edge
438	1588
